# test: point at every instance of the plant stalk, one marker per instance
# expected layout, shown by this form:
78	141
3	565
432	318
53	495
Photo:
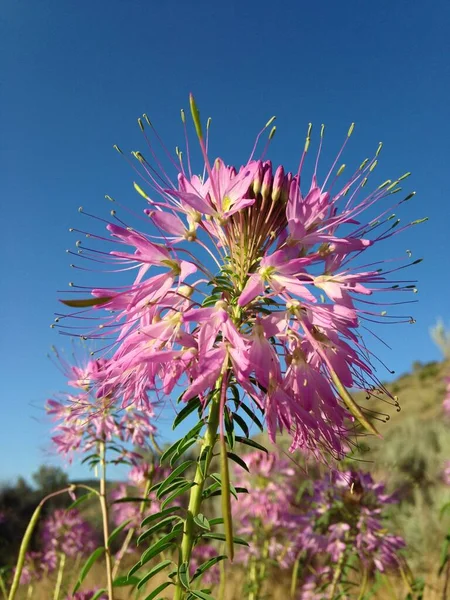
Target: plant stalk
62	563
195	499
105	520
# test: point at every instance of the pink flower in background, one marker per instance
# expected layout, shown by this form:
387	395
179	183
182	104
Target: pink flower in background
241	271
446	473
83	419
87	595
67	532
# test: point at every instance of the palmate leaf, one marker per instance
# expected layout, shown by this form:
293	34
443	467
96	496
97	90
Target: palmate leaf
221	538
200	594
183	575
160	525
175	473
207	565
237	459
251	443
158	547
186	411
117	530
87	567
159	515
202	522
154	571
124	580
159	589
183	489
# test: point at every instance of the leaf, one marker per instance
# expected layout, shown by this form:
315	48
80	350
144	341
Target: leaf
154	571
202	522
229	429
183	575
124	580
182	447
86	302
252	443
99	593
207	565
221	537
159	515
177	492
130	499
203	459
157	527
81	499
226	499
251	416
201	594
175	473
87	567
159	589
186	411
117	530
242	424
237	459
169	451
158	547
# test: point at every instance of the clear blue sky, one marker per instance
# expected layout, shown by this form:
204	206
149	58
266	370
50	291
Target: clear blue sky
76	75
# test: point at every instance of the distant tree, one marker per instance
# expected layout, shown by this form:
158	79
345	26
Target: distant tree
50	479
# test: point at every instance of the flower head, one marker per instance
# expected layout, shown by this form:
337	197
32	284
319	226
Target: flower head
67	532
288	297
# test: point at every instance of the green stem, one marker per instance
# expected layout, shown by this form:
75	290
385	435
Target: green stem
336	576
294	577
30	591
62	562
3	588
27	538
105	519
195	499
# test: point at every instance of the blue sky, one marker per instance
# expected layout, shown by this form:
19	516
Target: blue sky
76	75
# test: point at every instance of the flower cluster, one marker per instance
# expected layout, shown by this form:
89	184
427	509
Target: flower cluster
65	531
266	515
87	595
287	300
339	519
347	510
83	419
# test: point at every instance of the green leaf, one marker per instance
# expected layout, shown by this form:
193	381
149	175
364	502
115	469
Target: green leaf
200	594
87	567
169	451
216	521
183	575
158	547
242	424
124	580
85	303
237	459
221	537
99	593
175	473
177	492
130	499
154	571
203	459
251	443
207	565
82	499
202	522
117	530
159	515
186	411
182	447
251	416
159	589
157	527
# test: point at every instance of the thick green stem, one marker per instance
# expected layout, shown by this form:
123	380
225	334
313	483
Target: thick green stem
27	538
62	563
105	520
195	499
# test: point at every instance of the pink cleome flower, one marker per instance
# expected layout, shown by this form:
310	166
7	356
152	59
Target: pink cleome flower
290	293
